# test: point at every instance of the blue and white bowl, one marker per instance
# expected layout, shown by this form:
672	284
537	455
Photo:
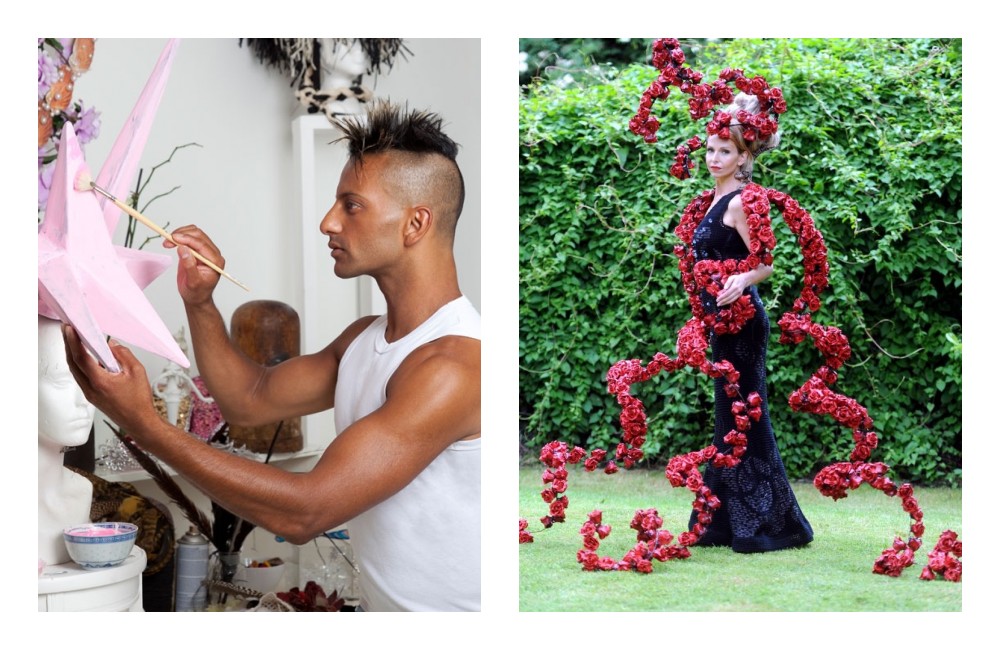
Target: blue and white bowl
100	545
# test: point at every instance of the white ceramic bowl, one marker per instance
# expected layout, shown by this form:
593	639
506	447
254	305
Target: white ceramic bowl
262	579
100	545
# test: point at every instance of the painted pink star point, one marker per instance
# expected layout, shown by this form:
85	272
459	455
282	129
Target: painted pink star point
88	282
83	278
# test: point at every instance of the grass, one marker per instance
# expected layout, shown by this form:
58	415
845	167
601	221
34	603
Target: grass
832	574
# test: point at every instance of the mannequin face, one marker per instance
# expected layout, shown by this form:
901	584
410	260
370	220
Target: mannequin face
64	416
341	62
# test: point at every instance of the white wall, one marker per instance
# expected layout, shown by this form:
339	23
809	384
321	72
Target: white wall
240	186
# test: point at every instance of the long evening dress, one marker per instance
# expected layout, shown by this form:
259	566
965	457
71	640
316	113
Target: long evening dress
759	511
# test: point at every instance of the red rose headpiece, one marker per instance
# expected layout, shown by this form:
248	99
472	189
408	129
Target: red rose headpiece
668	58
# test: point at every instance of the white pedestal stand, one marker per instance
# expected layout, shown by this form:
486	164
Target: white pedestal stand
71	588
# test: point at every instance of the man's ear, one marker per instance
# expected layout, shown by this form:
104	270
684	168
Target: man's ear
418	224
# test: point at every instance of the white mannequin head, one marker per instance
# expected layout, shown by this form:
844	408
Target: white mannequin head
64	420
64	415
342	62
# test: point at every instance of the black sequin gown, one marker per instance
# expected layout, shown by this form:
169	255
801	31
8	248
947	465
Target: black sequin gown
759	511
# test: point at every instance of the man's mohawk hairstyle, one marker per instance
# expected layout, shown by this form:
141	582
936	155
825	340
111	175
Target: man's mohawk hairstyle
389	127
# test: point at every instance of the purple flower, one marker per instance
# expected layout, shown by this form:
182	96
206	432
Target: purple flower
48	72
45	173
87	124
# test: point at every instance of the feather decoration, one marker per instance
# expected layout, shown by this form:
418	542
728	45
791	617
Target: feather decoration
299	57
165	483
382	52
291	56
230	589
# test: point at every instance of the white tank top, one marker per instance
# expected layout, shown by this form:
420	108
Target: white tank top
419	550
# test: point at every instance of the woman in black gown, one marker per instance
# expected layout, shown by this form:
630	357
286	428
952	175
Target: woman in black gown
759	511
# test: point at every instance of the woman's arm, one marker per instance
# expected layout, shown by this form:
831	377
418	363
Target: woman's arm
736	284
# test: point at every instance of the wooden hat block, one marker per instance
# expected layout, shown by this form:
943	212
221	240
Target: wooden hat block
267	331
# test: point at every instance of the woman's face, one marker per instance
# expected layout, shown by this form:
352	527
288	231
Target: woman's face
722	157
64	415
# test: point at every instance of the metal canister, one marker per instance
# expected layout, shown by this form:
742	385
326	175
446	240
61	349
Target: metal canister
192	570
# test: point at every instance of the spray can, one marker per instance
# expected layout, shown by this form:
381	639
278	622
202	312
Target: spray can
192	570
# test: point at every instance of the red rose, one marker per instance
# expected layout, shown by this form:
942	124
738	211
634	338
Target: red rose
588	559
687	539
947	539
591	543
644	566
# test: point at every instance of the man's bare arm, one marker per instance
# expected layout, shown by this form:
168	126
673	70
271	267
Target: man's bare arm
248	393
433	401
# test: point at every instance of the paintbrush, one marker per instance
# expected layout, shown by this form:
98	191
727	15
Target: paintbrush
84	183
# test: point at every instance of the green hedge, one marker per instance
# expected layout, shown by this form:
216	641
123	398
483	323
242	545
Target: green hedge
871	147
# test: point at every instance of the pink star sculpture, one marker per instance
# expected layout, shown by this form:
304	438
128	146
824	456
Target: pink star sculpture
84	279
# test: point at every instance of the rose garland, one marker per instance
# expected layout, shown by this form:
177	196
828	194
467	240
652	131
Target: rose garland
814	396
945	559
668	58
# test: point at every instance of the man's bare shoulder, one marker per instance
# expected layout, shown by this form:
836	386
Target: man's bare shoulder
457	353
443	374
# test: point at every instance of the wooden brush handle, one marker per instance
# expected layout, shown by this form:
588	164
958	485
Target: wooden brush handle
135	214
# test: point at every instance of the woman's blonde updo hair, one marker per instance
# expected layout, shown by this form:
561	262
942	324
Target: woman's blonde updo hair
748	103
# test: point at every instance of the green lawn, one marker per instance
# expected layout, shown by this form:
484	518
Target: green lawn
833	573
